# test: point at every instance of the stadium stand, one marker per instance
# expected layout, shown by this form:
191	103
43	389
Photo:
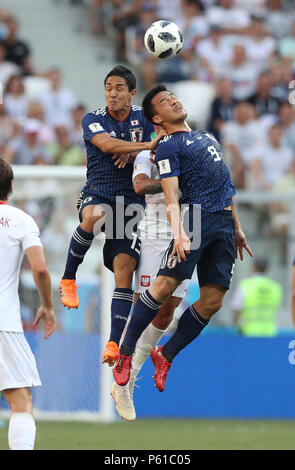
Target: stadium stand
238	56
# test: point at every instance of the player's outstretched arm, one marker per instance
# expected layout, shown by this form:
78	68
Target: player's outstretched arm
181	240
240	237
111	145
35	255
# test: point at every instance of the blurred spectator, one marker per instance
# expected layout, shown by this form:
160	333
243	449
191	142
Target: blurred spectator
242	73
7	69
15	100
277	19
287	122
8	128
63	151
287	46
256	302
239	138
167	10
58	102
76	132
213	56
25	149
260	46
256	7
136	52
280	76
95	12
193	23
272	160
46	134
263	99
17	51
125	14
222	108
228	16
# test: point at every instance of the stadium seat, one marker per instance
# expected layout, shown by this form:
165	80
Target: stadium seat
196	98
34	86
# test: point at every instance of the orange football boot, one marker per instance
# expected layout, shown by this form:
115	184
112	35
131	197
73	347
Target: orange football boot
111	353
68	293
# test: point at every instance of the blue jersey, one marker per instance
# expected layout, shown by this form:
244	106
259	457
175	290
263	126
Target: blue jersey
103	177
196	158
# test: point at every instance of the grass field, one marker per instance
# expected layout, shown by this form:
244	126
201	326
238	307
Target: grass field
163	434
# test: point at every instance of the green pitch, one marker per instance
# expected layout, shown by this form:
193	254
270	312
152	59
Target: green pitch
163	434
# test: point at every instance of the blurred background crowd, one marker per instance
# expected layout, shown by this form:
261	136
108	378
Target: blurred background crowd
238	61
235	76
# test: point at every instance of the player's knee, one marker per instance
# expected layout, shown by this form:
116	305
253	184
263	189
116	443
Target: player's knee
209	306
163	288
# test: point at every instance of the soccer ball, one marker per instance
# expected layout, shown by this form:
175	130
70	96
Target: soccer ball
163	39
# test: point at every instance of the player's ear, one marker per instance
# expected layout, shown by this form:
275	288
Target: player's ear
157	120
132	93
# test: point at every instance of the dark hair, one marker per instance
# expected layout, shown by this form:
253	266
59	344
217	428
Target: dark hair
6	177
260	264
123	72
148	109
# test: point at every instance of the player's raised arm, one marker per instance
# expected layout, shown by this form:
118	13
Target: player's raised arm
42	280
181	240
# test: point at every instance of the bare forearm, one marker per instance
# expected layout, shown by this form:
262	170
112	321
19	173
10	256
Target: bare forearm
149	187
43	284
235	214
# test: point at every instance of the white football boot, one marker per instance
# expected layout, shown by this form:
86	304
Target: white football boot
123	396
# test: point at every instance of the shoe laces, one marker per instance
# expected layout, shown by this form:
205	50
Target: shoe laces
133	384
122	363
68	287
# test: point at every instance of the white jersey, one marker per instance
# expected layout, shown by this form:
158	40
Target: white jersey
18	231
155	223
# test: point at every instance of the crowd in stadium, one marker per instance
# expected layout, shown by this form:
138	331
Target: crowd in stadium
245	51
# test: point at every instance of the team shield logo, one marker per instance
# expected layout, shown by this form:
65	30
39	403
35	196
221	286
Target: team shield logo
171	263
136	134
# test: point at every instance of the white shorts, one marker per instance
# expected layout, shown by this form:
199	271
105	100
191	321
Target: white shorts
152	252
17	363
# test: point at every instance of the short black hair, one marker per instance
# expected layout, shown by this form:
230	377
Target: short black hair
6	178
148	109
123	72
261	264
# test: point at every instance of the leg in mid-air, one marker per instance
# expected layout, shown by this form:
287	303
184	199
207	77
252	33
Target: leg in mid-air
79	245
146	309
22	428
123	267
123	395
192	322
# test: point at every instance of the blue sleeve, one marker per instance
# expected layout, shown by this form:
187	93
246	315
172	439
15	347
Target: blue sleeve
167	158
92	125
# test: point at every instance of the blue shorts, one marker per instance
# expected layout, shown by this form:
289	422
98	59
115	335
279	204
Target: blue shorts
119	238
215	257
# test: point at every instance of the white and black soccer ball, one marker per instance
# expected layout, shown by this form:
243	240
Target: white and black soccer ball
163	39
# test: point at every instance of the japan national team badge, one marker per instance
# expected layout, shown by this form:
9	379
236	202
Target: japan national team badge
171	263
136	134
145	281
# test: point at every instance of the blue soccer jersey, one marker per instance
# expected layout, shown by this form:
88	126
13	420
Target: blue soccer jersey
196	158
103	177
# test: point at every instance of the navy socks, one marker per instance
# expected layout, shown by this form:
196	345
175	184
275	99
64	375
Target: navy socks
145	310
189	327
121	305
79	245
